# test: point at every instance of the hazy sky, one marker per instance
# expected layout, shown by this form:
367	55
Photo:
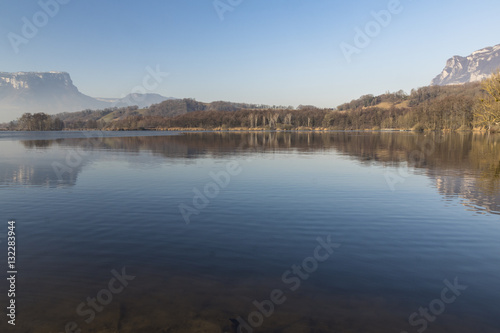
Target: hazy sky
283	52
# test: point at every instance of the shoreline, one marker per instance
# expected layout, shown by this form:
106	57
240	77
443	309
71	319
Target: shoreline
262	130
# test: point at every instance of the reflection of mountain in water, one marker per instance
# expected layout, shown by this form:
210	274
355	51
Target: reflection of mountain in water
469	191
38	173
36	167
462	165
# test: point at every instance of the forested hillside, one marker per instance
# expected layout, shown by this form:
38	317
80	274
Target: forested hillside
427	108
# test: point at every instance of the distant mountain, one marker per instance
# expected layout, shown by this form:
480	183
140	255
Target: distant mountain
49	92
141	100
475	67
54	92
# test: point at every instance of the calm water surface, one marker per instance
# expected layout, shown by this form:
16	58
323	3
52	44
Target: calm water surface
410	214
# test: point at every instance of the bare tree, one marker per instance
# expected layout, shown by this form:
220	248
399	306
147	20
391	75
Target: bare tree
487	112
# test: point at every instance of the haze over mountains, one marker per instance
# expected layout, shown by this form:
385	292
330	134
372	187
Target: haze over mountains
475	67
54	92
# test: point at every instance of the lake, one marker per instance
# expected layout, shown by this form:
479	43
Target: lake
252	232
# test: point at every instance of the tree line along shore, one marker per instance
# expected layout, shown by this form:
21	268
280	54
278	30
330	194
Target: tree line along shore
474	106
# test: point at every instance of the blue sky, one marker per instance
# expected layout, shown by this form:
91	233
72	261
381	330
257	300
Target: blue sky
277	52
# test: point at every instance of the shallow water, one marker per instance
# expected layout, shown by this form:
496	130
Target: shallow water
406	212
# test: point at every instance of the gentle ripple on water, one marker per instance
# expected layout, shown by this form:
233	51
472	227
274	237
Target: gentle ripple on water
119	207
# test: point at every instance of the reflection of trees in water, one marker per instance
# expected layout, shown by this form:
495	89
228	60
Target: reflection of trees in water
468	156
487	161
472	159
30	144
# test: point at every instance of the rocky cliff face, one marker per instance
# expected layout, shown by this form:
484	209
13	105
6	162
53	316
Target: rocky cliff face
23	80
51	92
54	92
475	67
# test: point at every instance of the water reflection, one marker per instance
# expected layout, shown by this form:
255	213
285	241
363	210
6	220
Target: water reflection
463	165
112	212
